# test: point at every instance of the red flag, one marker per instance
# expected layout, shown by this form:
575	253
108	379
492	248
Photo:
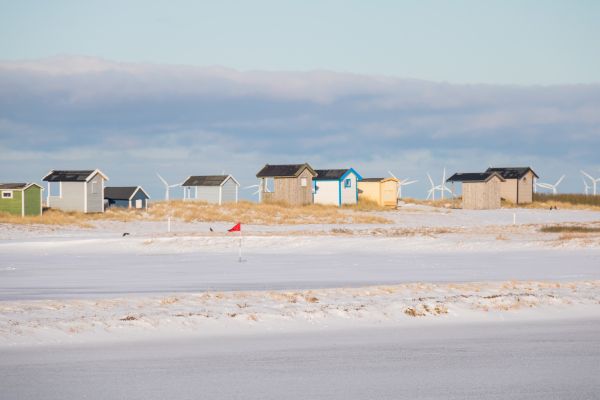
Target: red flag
236	228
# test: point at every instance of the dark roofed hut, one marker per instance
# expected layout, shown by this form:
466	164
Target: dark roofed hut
126	197
518	183
292	183
480	190
216	189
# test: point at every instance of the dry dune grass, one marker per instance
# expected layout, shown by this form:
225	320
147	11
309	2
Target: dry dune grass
194	211
49	217
446	203
560	201
252	213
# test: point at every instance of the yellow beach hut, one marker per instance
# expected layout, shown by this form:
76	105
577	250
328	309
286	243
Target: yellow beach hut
383	191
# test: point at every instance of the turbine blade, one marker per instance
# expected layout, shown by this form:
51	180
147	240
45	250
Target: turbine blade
559	181
430	180
162	179
393	176
586	174
409	182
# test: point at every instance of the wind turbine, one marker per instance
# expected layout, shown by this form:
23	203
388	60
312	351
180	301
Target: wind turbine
259	189
594	181
431	192
550	186
586	186
401	183
167	186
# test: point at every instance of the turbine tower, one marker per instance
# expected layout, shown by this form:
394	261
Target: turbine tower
401	183
593	180
167	186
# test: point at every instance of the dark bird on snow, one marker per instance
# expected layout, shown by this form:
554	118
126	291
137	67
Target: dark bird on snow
125	234
211	229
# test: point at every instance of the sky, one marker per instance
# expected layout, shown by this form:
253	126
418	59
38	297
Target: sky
192	88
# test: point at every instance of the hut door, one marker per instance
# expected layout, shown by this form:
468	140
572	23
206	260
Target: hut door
138	203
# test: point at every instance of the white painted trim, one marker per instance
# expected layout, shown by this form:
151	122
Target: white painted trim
94	172
48	196
142	189
23	203
11	191
236	194
102	195
228	178
129	203
85	197
41	200
220	194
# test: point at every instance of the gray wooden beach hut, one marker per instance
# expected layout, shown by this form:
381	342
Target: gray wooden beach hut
216	189
76	190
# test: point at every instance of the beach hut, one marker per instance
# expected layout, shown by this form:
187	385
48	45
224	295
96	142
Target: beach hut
76	190
517	186
288	183
21	198
216	189
383	191
336	186
480	190
126	197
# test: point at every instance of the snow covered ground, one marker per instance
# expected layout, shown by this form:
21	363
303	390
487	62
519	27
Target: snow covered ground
469	280
540	360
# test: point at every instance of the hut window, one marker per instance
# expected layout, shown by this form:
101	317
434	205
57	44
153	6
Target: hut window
94	187
347	183
7	194
303	182
54	188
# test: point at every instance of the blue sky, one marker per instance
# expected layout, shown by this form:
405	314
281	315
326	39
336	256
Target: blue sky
196	88
513	42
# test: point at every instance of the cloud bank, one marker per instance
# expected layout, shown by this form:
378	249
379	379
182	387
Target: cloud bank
131	120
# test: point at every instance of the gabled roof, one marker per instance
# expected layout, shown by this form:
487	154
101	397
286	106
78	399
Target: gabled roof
284	170
474	177
122	192
379	179
208	180
334	174
512	172
17	186
72	175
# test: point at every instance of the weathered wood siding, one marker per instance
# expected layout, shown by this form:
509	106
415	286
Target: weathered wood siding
290	190
327	192
508	190
95	194
229	191
526	188
482	195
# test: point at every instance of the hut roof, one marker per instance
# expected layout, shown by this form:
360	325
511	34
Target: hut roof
512	172
379	179
72	175
17	186
473	177
122	192
284	170
206	180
